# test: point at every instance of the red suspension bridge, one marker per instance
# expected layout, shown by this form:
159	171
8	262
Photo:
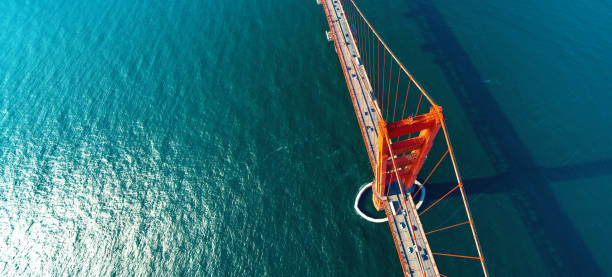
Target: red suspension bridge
399	122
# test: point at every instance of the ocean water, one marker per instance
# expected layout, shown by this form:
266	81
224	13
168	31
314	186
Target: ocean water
217	138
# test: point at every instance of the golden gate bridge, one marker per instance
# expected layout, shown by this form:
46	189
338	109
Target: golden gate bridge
399	123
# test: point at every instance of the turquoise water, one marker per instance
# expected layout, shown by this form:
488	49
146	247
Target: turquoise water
217	138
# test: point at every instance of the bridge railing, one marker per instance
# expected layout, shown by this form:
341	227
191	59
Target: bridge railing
398	96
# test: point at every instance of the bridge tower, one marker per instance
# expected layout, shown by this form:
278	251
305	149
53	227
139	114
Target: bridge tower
411	139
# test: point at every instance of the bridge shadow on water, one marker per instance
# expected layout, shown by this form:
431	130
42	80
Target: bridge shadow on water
561	247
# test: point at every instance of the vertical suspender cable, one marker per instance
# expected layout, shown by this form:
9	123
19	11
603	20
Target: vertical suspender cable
358	36
366	49
358	26
418	105
389	91
406	99
383	78
377	69
396	92
434	169
372	59
430	173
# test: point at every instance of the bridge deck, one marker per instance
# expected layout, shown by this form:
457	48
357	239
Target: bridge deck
403	235
356	76
365	108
